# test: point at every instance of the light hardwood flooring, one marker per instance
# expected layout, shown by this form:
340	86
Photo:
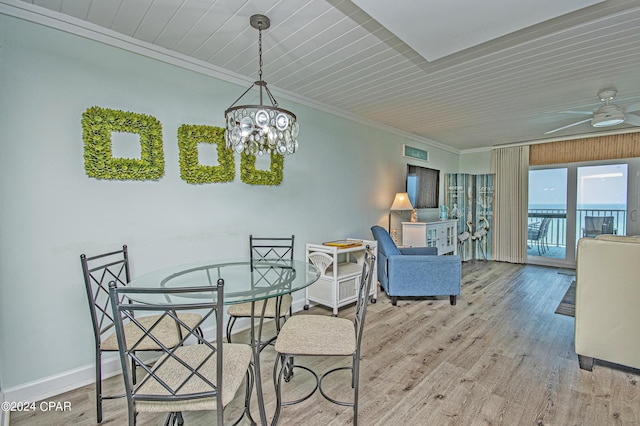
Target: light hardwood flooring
499	357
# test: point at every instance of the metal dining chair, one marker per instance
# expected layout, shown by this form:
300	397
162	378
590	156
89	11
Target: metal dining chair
264	249
191	374
98	271
538	234
319	335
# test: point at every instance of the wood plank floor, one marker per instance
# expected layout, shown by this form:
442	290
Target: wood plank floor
499	357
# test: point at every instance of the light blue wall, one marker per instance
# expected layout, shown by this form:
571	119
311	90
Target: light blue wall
340	183
476	163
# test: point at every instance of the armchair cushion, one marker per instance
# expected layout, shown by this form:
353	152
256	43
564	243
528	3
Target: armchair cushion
429	251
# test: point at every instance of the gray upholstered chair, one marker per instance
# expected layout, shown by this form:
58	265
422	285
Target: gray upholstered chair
191	374
278	308
415	271
319	335
597	225
98	271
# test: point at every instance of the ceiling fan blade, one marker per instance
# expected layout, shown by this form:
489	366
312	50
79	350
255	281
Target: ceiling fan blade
632	119
577	112
567	126
633	107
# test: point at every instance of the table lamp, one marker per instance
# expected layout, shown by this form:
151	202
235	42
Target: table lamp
401	202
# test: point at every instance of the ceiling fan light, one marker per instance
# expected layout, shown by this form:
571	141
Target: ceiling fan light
607	115
607	123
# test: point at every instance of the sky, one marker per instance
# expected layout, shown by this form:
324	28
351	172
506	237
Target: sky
596	185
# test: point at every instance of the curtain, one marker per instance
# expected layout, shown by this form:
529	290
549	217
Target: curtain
428	184
511	188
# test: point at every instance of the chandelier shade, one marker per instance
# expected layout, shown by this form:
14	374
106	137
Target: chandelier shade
263	128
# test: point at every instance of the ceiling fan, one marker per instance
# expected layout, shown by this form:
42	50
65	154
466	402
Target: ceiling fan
607	115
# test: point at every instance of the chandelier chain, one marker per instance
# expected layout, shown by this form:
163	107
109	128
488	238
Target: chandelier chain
260	54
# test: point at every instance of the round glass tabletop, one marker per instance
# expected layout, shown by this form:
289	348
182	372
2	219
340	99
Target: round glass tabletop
244	281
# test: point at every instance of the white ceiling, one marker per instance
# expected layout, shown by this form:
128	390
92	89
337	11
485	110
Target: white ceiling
427	26
491	90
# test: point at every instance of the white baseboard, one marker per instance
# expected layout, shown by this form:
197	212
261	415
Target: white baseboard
49	387
60	383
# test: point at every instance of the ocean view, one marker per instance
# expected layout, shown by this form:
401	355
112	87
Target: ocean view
580	207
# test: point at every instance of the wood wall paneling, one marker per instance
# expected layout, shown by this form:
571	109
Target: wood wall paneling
625	145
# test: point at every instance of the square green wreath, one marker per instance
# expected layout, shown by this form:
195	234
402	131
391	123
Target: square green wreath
97	126
249	174
189	136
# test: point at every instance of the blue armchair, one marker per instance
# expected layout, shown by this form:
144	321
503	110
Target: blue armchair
415	271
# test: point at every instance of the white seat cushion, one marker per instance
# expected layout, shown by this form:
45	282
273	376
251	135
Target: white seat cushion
316	335
236	359
244	309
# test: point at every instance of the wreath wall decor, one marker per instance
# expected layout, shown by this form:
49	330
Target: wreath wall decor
249	174
99	123
97	127
189	136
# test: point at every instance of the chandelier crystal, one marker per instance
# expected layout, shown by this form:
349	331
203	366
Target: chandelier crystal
260	129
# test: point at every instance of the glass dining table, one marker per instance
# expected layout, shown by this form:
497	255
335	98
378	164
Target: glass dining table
244	281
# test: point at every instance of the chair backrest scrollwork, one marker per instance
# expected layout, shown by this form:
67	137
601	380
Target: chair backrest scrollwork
271	248
98	271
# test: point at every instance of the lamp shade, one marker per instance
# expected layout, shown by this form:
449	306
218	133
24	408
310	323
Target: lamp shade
401	202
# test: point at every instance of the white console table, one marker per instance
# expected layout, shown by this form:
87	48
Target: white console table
442	234
340	273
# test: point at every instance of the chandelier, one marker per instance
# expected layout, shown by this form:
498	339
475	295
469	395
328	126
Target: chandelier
260	129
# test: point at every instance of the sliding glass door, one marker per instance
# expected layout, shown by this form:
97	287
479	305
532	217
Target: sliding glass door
547	224
601	205
580	200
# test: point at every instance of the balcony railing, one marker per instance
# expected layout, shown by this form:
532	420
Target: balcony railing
556	234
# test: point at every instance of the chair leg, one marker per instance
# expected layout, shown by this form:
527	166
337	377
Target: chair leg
355	380
277	381
133	371
355	374
453	299
98	385
174	418
247	397
283	319
249	380
232	321
199	335
286	366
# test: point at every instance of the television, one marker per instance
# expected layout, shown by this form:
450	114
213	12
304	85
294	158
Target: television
423	187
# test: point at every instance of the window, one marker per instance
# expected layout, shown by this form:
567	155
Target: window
571	195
